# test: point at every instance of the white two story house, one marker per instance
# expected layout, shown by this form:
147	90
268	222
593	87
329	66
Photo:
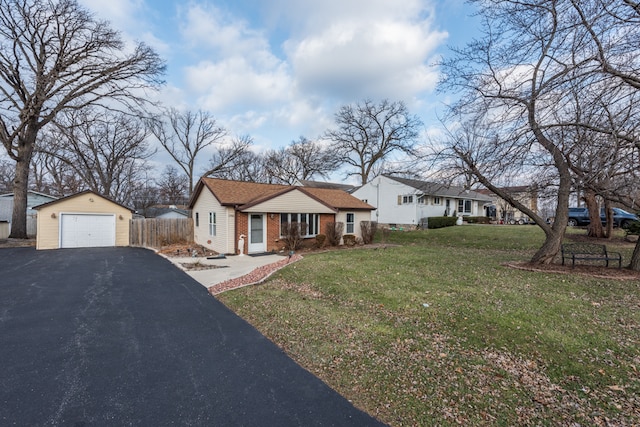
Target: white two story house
405	202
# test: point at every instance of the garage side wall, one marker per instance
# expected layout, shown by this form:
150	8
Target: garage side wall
48	234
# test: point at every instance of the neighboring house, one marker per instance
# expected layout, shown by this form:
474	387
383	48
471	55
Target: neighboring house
501	211
224	210
405	202
34	198
82	220
165	212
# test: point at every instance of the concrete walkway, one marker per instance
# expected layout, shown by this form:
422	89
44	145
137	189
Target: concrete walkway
227	268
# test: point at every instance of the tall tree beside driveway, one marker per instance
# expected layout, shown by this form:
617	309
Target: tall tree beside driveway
55	56
367	133
185	134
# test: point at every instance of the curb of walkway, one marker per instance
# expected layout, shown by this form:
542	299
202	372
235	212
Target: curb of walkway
255	277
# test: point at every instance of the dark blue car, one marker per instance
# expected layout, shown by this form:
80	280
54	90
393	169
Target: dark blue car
621	218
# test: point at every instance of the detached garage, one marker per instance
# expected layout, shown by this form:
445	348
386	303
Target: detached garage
82	220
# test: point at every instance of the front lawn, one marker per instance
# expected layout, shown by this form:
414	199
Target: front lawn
436	331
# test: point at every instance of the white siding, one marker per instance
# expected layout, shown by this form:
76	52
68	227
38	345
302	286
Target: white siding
359	216
383	193
223	241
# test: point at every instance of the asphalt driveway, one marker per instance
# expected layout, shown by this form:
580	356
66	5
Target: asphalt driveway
120	336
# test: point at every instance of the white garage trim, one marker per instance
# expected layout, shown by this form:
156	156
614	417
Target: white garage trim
85	230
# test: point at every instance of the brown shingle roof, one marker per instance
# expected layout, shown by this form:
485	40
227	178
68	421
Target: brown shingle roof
241	193
231	193
338	199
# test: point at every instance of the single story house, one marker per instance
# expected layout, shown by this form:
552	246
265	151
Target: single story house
501	211
223	211
34	198
85	219
406	202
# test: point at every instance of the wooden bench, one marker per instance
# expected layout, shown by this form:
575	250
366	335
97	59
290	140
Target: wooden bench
589	252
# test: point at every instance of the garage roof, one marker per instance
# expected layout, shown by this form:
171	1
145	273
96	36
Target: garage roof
82	193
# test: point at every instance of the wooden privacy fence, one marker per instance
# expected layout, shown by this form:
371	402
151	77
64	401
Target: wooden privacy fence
158	232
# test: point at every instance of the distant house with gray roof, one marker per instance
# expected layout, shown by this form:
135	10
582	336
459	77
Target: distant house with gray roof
406	202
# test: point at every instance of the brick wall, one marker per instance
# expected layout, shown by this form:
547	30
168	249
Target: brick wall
273	233
324	220
242	224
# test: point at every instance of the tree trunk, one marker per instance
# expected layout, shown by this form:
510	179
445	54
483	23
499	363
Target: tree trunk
26	144
550	248
595	225
608	212
635	258
20	187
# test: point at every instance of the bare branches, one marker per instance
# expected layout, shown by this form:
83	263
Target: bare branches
236	161
55	57
367	133
107	151
301	160
185	135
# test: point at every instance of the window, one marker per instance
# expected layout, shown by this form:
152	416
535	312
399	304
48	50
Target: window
197	219
351	219
422	199
464	207
212	223
407	199
312	222
436	200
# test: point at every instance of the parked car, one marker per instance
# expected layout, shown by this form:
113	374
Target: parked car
621	218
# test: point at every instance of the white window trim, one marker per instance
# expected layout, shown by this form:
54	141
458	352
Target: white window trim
212	224
347	223
314	227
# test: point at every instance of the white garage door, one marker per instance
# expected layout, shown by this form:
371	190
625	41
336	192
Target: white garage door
87	230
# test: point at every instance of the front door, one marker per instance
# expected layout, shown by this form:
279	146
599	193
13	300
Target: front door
257	233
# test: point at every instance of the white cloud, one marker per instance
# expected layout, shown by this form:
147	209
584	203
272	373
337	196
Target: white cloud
383	53
121	13
285	67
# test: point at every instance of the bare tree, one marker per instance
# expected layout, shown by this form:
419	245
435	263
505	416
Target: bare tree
521	79
368	133
237	161
173	187
55	56
185	134
301	160
612	29
107	151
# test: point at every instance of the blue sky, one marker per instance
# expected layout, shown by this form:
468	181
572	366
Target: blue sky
279	69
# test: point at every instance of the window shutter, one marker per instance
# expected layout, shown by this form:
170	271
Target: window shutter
399	200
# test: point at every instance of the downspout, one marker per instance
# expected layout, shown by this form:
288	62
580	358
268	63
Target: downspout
235	229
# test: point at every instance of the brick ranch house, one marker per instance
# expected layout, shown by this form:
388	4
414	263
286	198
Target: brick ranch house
225	211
